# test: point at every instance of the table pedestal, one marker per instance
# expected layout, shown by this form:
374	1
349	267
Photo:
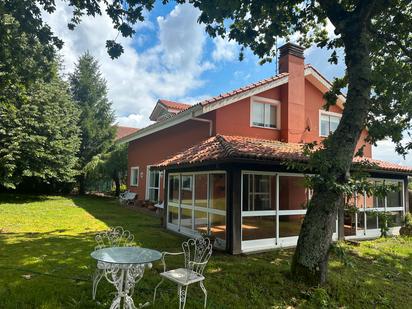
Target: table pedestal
124	277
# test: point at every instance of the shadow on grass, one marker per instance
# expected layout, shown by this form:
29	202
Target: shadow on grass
11	198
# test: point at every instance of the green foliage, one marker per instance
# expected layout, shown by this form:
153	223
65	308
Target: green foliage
111	166
408	220
342	254
89	91
385	222
40	136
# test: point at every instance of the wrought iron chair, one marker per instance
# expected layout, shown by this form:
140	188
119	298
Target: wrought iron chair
197	253
115	237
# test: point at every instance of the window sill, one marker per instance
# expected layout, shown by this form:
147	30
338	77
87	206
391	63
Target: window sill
254	126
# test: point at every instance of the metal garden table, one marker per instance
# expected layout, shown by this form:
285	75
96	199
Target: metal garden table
124	268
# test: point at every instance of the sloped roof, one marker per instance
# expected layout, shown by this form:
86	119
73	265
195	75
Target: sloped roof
229	148
122	131
174	105
243	89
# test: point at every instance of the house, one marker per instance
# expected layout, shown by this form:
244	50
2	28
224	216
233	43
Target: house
122	132
218	165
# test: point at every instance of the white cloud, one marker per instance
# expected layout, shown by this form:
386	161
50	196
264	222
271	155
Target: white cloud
132	120
170	69
225	49
386	151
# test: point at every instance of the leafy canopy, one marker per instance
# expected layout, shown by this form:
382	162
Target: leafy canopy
89	91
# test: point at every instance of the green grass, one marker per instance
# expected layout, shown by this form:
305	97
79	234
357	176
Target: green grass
45	245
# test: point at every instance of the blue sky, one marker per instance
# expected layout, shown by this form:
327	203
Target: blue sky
172	57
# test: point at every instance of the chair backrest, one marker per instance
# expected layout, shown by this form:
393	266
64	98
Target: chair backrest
197	253
115	237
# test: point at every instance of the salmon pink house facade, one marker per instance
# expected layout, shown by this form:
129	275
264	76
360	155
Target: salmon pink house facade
217	166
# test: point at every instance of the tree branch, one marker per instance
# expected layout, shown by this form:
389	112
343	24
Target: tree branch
335	12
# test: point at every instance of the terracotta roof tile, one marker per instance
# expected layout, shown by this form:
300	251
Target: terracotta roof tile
225	148
242	89
175	105
122	131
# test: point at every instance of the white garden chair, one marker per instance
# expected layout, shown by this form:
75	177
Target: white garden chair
197	253
127	198
115	237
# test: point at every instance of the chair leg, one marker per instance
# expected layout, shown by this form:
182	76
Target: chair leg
182	293
98	275
204	291
154	295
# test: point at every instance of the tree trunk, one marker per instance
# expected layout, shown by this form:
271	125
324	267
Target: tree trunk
341	220
82	184
310	260
116	180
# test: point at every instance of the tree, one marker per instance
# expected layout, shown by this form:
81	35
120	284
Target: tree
89	91
376	38
39	136
111	165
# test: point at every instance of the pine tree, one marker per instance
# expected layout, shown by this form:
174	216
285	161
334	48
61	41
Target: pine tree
89	90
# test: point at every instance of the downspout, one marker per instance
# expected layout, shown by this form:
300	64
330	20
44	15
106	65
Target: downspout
205	120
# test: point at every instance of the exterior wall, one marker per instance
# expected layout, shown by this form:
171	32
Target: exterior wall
159	146
234	119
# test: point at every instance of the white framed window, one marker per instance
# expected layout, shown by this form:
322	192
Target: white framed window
152	184
264	113
134	176
197	204
187	183
328	122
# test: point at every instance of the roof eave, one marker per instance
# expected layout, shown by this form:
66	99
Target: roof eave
185	115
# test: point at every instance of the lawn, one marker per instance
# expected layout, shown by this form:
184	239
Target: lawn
45	245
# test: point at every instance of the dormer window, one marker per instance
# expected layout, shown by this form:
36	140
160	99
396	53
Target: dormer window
328	122
265	113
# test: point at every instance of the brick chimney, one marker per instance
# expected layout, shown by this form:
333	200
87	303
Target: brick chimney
291	60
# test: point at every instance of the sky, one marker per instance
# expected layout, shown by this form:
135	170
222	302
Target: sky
172	57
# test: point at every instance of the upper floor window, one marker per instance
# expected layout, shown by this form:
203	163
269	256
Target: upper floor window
328	122
265	113
134	176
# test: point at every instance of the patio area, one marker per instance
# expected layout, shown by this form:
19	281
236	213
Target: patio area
45	246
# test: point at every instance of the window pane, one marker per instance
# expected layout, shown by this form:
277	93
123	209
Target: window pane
218	191
396	218
173	215
369	201
371	220
334	122
272	116
258	114
201	190
218	226
154	195
292	193
134	176
174	189
260	227
187	192
259	192
361	221
154	179
186	218
324	125
290	225
201	222
394	198
349	224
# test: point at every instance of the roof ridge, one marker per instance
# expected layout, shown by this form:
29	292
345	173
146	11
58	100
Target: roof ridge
227	148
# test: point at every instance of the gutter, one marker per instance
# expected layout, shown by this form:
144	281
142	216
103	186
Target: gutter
205	120
187	114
